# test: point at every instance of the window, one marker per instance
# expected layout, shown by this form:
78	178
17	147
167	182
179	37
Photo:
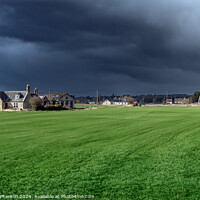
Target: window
17	96
15	105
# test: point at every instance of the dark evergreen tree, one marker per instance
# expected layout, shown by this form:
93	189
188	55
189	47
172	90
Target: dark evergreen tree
195	96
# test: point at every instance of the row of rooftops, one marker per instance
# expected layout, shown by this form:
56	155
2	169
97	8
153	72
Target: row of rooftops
19	96
54	96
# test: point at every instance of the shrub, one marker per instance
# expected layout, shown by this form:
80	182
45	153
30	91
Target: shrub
36	102
40	108
54	107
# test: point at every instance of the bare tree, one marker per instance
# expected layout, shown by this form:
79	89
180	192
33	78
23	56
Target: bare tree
36	102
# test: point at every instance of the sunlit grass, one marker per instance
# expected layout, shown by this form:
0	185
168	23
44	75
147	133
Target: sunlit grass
111	153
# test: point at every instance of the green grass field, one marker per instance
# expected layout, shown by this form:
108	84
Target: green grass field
111	153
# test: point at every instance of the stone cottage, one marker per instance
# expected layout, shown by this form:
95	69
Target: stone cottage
15	100
21	100
63	99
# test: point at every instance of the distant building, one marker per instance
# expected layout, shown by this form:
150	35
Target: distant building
181	100
63	99
92	102
106	102
169	101
16	100
120	102
45	100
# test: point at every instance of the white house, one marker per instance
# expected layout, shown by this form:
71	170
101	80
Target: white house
106	102
120	102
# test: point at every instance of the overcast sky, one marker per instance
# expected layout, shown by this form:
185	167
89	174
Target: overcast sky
120	46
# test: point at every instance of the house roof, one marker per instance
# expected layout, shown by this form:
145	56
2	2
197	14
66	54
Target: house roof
120	100
179	99
106	100
16	96
33	95
54	96
2	96
42	97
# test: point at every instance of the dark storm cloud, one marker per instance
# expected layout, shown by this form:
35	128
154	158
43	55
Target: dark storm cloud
128	46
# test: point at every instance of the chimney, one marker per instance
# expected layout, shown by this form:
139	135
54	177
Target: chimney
36	91
28	89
